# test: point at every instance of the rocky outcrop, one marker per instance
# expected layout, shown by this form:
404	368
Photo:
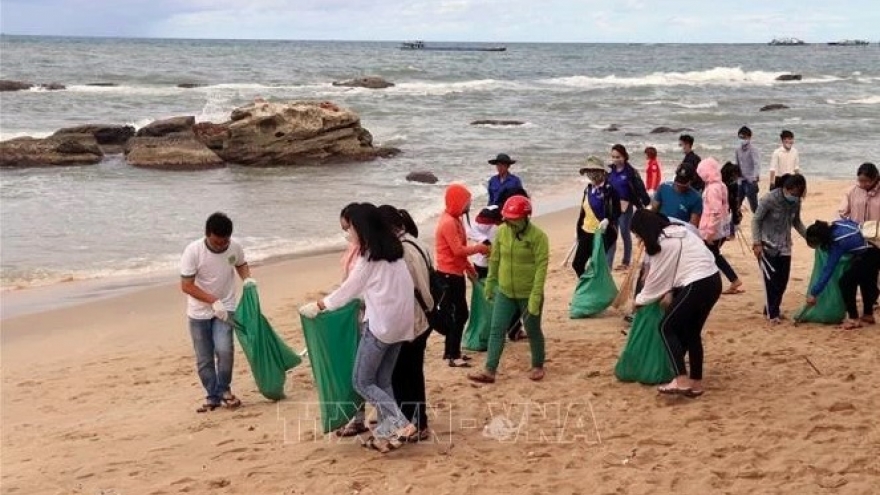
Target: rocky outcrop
631	134
773	106
423	177
190	85
52	151
370	82
789	77
52	86
291	133
165	127
180	151
103	84
7	85
497	122
612	128
111	138
664	129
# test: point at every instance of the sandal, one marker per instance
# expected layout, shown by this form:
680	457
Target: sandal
352	429
850	325
536	374
671	389
380	445
481	377
461	364
422	435
230	401
404	433
868	319
692	394
207	407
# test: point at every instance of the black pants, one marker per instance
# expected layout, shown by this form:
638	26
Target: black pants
682	325
585	248
408	381
721	261
862	276
455	302
778	268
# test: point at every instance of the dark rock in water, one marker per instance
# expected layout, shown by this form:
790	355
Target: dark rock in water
422	176
7	85
111	138
291	133
103	84
164	127
774	106
632	134
789	77
497	122
180	151
370	82
664	129
190	85
612	128
53	86
77	149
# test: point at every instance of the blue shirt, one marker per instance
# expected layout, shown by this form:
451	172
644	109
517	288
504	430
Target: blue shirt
496	187
847	239
596	197
620	182
678	205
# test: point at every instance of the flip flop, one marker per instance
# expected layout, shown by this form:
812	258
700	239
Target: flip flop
731	291
352	430
207	407
481	377
463	364
379	445
673	390
692	394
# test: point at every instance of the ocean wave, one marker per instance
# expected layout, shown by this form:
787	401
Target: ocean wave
718	76
682	104
526	125
868	100
5	136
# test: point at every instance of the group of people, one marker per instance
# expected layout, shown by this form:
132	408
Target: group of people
403	284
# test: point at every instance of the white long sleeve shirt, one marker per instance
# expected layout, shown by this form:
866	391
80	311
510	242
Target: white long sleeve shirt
784	161
389	297
682	260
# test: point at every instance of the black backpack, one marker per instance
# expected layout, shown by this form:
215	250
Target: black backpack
439	319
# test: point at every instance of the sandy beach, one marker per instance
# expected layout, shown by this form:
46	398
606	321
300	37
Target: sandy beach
99	398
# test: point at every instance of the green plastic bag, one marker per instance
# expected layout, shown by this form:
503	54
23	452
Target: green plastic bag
829	307
332	340
476	335
644	358
268	355
595	290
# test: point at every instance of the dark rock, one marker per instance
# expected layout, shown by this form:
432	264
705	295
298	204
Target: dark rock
370	82
111	138
612	128
103	84
53	86
7	85
497	122
180	151
789	77
190	85
164	127
422	176
76	149
773	106
664	129
632	134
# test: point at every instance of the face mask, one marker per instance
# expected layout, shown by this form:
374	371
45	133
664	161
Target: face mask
786	146
348	237
791	199
743	142
516	225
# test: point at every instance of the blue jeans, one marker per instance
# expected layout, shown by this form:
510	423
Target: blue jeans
749	190
624	223
373	369
212	339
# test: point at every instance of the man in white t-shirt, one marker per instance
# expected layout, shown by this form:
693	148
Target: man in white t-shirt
785	160
207	269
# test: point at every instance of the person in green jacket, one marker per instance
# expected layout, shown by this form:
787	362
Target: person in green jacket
517	272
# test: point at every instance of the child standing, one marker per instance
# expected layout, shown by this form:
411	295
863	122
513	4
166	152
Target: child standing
652	170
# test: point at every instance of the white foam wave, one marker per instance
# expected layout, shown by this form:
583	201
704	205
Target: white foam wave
525	125
718	76
868	100
4	136
445	88
682	104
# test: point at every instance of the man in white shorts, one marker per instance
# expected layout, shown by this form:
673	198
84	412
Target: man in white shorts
207	271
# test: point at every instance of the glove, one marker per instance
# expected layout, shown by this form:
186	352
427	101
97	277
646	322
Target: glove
219	310
603	224
489	292
250	282
309	310
535	305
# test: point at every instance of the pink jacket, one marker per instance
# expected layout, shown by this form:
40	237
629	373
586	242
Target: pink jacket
715	221
860	205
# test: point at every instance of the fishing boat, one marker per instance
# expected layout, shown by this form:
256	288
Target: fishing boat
420	45
849	43
786	42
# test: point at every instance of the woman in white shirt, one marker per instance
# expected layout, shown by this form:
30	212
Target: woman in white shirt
682	273
381	278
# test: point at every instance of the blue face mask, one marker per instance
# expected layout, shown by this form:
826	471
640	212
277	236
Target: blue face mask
791	199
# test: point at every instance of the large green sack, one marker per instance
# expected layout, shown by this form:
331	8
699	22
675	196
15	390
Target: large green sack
829	307
332	341
596	289
644	358
476	335
268	355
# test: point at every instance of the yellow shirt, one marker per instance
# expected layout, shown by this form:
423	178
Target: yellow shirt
591	223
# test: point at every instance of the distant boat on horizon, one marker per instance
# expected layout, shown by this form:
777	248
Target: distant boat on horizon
849	43
786	42
420	45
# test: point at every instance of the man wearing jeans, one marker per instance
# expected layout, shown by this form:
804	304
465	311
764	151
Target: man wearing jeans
749	162
207	268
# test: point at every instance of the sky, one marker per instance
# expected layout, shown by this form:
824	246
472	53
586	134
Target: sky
599	21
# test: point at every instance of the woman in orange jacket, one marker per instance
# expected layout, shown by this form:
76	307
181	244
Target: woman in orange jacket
452	251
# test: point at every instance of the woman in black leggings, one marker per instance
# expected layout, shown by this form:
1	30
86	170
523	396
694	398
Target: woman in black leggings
681	273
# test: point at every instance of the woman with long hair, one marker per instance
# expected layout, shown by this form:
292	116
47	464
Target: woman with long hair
681	273
625	179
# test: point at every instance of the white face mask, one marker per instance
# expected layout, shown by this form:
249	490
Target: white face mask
348	236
